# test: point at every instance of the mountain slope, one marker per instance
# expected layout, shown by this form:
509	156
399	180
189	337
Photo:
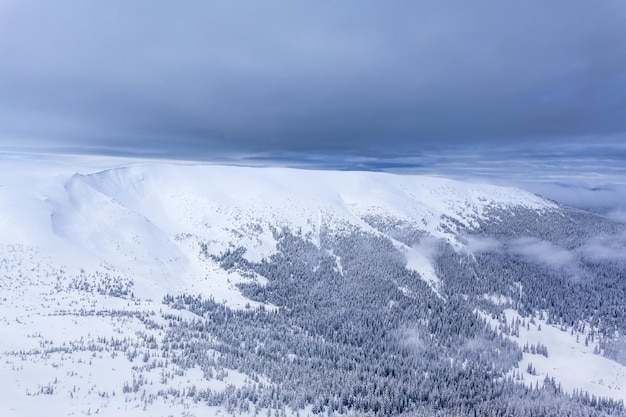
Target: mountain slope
140	267
135	217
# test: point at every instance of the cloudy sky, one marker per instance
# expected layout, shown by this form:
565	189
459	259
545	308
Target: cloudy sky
474	88
280	77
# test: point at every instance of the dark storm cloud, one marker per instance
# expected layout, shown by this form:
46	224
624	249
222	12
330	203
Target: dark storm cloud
198	78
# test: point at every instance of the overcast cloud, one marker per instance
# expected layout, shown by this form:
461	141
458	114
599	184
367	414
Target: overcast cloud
202	78
526	93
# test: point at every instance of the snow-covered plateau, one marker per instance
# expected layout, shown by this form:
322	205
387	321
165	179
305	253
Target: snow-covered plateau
151	288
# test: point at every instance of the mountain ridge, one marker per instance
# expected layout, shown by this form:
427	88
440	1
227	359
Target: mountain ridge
317	264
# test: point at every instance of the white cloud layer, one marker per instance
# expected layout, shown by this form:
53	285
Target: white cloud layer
542	252
482	244
605	247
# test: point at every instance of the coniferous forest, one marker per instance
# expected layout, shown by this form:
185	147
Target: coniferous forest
373	338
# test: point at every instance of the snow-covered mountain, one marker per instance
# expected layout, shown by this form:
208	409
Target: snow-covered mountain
139	216
101	265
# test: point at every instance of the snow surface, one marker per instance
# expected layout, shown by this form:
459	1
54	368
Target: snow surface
148	219
570	362
70	223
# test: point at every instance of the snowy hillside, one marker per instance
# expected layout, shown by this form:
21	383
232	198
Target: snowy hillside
88	252
147	219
